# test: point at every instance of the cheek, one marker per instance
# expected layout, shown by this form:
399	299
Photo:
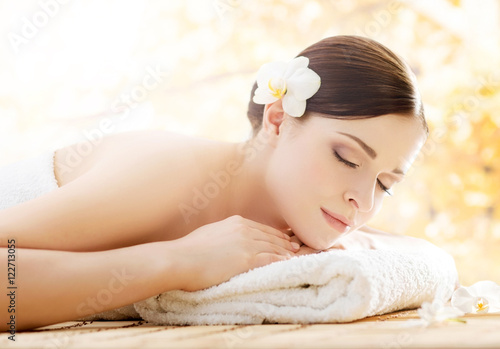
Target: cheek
317	173
297	180
322	174
364	217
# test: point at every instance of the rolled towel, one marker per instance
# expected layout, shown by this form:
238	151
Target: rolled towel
27	179
328	287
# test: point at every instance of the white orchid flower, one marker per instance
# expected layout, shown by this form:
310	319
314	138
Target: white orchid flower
482	297
293	82
437	312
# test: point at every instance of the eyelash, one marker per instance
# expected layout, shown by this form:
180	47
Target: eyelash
353	165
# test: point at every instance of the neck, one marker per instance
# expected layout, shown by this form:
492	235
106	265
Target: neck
243	166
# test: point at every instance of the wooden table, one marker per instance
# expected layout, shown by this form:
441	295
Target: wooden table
388	331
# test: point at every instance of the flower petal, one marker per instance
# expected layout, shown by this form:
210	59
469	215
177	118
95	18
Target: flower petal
448	313
263	96
269	71
292	106
293	82
295	64
489	290
304	83
425	312
484	288
436	312
462	299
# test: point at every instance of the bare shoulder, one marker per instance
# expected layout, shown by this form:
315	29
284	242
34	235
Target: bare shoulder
76	159
122	193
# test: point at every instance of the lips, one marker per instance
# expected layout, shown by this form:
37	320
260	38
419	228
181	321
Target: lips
336	221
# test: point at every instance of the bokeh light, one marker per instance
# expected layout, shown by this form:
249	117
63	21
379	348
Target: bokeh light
66	65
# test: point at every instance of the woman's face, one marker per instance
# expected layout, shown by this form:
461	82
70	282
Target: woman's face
329	176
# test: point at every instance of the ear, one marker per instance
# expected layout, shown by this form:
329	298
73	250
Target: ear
273	118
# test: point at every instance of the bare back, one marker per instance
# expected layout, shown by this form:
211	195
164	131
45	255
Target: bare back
130	189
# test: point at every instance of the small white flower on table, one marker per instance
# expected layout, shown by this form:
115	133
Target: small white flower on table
436	312
482	297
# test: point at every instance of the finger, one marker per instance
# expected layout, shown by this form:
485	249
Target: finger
268	258
270	247
306	250
267	229
296	239
275	240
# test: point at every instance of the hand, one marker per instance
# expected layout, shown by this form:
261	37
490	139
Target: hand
215	252
304	249
356	240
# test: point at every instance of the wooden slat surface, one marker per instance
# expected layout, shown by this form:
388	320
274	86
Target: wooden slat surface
387	331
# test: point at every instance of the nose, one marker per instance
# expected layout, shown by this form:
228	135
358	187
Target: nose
362	197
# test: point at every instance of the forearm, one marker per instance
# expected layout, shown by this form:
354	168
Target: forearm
55	286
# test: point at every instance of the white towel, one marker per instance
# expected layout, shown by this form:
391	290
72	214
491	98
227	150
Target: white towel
27	179
329	287
334	286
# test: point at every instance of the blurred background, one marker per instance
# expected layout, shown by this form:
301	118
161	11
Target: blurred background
73	71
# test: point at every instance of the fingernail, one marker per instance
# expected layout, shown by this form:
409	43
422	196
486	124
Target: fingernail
295	245
286	236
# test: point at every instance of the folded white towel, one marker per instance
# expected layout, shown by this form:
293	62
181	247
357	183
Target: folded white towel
27	179
333	286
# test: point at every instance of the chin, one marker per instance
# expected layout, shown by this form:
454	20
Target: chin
313	234
319	244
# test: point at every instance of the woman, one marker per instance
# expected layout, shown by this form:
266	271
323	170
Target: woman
150	211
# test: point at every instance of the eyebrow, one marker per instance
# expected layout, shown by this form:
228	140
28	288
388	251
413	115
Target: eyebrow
369	150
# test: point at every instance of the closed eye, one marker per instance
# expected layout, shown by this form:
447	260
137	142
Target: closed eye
344	161
353	165
383	187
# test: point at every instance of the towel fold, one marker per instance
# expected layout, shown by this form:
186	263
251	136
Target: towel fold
27	179
328	287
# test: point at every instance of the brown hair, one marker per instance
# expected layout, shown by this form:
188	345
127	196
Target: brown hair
360	78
